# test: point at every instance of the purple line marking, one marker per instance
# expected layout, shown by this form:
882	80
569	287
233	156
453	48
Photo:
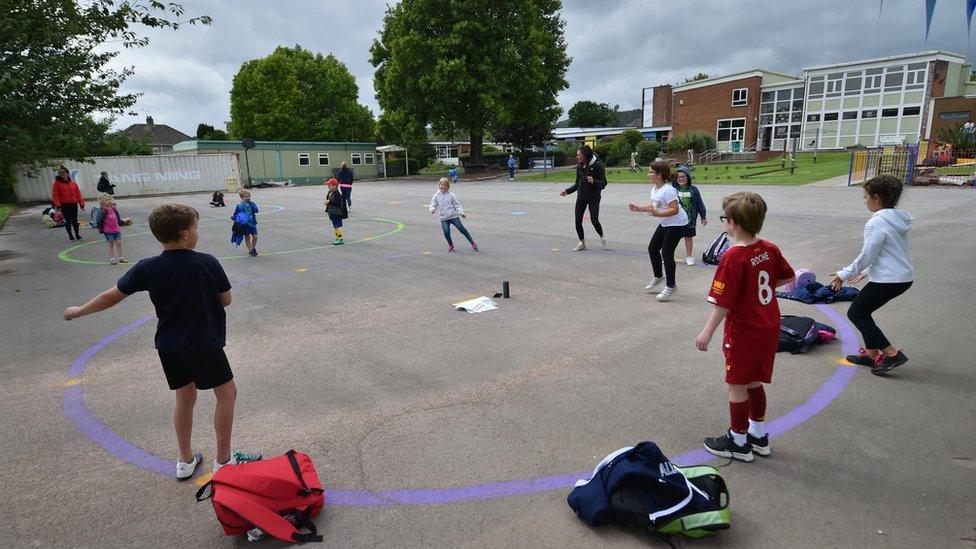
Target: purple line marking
74	409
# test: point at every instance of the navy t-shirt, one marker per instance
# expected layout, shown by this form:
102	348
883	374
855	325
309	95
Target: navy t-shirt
184	286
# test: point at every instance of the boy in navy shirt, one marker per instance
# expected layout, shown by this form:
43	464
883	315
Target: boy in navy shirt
189	291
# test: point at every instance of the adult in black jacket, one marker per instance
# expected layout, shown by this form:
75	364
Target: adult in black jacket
104	186
591	178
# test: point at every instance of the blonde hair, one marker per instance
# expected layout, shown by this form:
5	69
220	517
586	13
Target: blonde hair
105	197
443	181
243	192
747	209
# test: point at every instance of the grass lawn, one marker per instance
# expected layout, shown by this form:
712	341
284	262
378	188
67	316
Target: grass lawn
5	210
829	164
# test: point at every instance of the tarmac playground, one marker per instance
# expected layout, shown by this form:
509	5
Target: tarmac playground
432	427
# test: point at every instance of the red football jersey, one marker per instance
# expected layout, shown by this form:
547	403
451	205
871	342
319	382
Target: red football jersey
745	283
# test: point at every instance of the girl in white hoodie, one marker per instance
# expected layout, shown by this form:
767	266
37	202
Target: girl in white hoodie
886	260
449	210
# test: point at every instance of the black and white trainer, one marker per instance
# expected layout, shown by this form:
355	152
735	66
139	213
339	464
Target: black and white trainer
724	446
760	445
888	363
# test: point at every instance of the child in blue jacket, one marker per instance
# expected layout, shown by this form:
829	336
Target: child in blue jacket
691	202
250	228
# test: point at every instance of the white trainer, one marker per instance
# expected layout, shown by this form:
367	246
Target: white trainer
580	246
185	470
689	261
666	294
654	283
603	241
236	458
113	261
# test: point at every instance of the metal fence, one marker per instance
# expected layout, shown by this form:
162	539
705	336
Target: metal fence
896	161
946	166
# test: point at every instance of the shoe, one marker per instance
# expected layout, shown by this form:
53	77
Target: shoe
760	446
888	363
71	238
451	249
862	358
113	261
123	260
474	246
580	246
185	470
77	237
724	446
666	294
336	242
236	458
654	283
603	241
689	261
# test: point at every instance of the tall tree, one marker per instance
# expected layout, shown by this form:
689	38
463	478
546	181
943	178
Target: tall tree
296	95
590	114
206	132
54	72
523	136
473	65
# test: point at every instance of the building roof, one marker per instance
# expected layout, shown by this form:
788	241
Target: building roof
157	134
934	55
195	144
761	73
563	133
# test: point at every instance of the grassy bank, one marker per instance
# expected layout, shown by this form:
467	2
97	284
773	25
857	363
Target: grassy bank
5	210
829	165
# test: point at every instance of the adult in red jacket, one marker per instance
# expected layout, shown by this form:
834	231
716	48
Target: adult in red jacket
66	197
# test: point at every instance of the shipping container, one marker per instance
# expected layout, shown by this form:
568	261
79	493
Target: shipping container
135	175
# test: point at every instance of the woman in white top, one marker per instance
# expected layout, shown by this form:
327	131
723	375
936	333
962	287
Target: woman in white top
664	205
886	260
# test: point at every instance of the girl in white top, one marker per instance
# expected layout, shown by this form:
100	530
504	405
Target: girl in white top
664	205
450	212
885	259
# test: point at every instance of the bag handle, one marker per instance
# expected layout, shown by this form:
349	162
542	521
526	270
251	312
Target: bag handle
298	472
270	522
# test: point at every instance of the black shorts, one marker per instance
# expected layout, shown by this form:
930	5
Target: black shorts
208	369
690	231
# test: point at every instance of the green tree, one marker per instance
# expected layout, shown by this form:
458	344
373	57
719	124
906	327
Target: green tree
296	95
206	132
954	135
523	136
647	151
474	66
54	73
590	114
696	78
633	137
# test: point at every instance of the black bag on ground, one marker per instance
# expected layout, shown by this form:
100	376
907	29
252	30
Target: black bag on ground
798	333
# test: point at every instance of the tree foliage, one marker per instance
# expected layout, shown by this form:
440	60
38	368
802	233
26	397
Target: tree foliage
590	114
523	136
954	135
647	151
633	138
696	141
206	132
474	65
54	72
696	78
296	95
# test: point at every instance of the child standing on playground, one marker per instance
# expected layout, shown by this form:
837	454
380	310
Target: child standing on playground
744	295
691	202
450	212
664	205
189	291
108	222
250	209
453	174
335	207
886	260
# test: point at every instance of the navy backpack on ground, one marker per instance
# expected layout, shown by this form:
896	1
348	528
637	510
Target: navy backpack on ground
798	333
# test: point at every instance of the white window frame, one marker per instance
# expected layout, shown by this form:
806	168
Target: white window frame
326	157
734	130
873	80
306	158
743	97
369	159
357	159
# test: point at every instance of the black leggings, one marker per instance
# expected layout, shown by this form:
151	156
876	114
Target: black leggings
664	241
70	212
594	206
870	299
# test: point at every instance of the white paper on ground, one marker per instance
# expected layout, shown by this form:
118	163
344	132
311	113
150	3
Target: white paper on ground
477	305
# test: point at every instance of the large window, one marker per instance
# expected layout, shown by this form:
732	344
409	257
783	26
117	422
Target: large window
323	159
872	80
894	78
357	159
785	108
740	97
303	159
731	129
835	82
816	87
915	76
852	85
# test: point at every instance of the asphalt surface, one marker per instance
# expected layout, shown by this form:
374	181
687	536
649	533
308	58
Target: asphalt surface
418	416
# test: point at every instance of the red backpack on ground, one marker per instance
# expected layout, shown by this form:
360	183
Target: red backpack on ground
279	495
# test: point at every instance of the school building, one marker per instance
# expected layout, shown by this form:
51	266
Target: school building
871	102
301	162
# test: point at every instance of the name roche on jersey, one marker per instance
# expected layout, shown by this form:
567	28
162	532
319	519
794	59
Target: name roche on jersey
760	258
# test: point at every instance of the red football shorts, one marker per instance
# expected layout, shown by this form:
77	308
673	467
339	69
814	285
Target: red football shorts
745	370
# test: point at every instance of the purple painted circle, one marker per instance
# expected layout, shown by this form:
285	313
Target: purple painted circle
74	409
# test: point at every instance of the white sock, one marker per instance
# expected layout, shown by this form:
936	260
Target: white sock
738	438
757	428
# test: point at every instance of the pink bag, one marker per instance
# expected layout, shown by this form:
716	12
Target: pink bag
803	277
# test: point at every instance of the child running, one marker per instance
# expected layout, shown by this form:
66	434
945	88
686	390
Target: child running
250	209
335	207
449	210
692	204
108	222
744	294
189	291
886	260
664	205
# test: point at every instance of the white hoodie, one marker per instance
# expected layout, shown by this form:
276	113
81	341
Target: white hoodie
885	257
446	205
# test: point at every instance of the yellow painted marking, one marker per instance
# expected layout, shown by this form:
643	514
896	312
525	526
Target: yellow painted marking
555	249
844	362
301	270
73	382
425	253
203	479
395	202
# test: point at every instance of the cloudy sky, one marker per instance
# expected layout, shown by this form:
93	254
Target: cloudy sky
617	46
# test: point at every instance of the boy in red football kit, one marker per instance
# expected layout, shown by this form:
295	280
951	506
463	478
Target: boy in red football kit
744	295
